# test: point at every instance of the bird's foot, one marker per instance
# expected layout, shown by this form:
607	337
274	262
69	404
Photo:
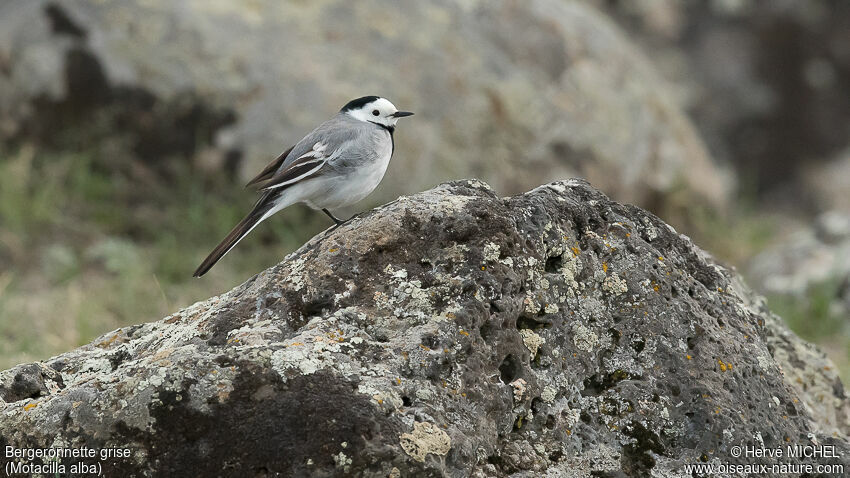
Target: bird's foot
338	222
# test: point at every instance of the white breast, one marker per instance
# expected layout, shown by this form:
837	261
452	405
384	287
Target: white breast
360	182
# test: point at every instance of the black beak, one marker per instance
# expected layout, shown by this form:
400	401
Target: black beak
401	114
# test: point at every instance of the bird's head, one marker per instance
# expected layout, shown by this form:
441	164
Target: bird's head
374	109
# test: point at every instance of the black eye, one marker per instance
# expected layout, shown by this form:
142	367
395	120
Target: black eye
376	112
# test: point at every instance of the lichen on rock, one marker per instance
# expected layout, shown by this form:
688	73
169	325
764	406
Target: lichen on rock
449	333
425	438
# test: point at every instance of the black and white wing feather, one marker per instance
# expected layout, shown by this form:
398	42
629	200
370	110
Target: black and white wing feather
306	166
271	169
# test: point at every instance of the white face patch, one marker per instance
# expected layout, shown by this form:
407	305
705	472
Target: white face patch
382	107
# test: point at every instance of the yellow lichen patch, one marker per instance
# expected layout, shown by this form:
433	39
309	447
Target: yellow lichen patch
464	333
398	381
296	344
688	357
425	347
605	266
107	342
724	366
576	251
332	249
30	406
660	258
483	268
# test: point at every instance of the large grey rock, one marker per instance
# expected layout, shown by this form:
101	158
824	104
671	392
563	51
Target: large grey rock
519	93
449	333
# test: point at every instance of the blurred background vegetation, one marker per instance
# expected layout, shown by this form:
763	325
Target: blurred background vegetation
128	128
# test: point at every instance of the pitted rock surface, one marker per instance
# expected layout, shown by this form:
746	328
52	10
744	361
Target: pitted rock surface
449	333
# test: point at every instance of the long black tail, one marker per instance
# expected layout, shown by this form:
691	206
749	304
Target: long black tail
264	205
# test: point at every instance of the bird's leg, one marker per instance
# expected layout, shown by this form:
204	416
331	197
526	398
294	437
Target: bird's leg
336	221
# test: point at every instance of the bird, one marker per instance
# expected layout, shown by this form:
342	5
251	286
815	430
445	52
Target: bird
337	164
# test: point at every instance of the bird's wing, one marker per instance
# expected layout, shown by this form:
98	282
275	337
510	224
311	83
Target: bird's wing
326	139
309	165
271	169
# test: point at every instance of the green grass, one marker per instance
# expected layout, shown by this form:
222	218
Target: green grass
737	236
815	317
86	248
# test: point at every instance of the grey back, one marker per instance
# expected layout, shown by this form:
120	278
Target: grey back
334	133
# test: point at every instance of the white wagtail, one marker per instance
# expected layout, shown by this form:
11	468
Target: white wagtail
337	164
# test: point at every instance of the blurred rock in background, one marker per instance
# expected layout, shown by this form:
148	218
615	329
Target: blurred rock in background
517	93
765	81
829	183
